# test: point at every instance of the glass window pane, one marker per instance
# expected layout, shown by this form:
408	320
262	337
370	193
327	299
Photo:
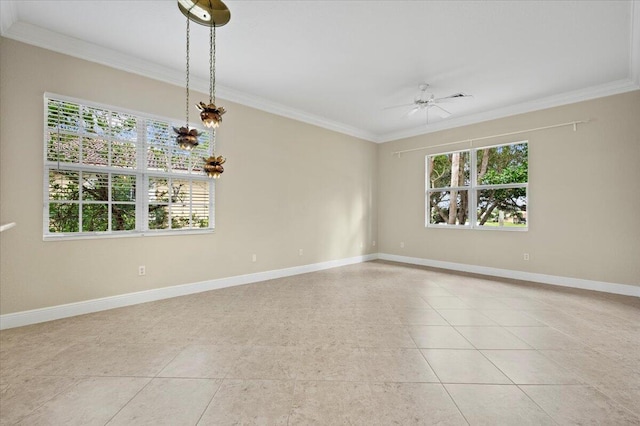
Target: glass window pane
158	191
159	133
180	203
95	217
124	127
204	139
123	188
200	192
63	185
123	154
180	193
452	169
63	147
502	207
443	211
95	186
95	151
157	158
200	216
179	219
63	217
63	116
179	161
158	217
123	217
95	121
503	164
197	162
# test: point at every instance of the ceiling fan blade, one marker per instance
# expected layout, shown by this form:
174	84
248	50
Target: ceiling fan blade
441	112
399	106
412	111
459	95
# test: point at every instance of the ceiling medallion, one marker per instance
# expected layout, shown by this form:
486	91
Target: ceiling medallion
205	12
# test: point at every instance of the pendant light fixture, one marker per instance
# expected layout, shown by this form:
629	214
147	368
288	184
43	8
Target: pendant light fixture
213	166
211	13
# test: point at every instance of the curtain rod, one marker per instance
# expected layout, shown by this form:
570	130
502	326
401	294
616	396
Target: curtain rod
470	141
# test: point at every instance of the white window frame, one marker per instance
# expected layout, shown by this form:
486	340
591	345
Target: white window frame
140	172
472	191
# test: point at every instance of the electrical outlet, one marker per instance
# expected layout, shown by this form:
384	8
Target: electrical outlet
142	270
374	243
300	252
402	244
361	244
525	256
254	258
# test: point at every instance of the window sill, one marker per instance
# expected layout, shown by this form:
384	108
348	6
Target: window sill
104	235
480	228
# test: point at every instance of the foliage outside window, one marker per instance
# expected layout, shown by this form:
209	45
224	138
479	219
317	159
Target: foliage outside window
479	188
116	173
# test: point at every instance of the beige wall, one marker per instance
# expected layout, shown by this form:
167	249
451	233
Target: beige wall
584	196
287	185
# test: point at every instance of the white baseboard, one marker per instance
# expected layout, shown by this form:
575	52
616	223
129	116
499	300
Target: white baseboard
623	289
35	316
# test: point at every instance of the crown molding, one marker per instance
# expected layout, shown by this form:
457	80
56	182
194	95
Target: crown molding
8	15
11	27
40	37
46	39
607	89
296	114
634	54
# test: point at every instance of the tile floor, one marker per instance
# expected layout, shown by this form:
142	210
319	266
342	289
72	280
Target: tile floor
374	343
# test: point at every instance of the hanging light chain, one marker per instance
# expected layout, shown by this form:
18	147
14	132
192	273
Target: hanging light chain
187	86
212	64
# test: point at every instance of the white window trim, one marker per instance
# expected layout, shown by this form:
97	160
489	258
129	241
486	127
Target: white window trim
472	190
142	177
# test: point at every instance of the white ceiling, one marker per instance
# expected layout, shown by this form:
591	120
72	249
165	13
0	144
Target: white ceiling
338	64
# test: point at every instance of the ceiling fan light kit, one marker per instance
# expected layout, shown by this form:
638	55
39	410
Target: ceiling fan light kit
211	13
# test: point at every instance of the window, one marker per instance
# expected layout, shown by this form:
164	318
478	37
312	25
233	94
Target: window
483	188
111	173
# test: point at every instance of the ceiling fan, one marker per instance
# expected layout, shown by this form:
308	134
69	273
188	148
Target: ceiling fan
425	101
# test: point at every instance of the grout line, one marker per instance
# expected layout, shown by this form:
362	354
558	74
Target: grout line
351	325
497	368
210	401
75	382
445	388
129	401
